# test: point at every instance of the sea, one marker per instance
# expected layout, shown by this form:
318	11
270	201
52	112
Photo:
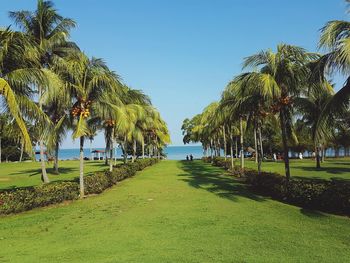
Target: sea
172	152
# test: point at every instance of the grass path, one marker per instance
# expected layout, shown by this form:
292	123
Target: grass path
175	212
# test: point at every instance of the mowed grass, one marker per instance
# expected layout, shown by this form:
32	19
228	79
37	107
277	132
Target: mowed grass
14	175
175	212
337	169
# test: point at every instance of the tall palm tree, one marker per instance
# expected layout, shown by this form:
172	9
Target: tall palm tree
285	70
92	86
49	31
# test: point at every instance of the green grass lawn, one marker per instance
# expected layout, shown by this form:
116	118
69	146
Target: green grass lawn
330	169
175	212
29	173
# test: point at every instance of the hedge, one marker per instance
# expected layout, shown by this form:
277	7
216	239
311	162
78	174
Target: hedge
27	198
323	195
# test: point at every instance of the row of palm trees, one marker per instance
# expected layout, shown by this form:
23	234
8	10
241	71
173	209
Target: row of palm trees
284	94
48	83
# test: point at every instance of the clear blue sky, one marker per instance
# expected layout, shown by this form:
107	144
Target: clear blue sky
182	53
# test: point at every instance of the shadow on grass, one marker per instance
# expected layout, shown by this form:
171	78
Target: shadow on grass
62	170
312	213
331	170
51	171
204	176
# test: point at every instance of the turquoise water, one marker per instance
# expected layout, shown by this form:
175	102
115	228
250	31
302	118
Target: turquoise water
172	152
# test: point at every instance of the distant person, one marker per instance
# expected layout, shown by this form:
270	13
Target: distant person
274	157
191	157
187	158
300	156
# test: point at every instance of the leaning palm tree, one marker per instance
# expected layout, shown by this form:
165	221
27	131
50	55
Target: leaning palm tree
49	32
335	39
18	62
285	70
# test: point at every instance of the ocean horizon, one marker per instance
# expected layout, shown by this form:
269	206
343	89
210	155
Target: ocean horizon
172	152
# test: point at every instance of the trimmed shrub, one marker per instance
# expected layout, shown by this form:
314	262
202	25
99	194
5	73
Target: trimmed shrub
328	196
27	198
22	199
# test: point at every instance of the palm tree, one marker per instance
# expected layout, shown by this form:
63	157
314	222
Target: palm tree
285	71
229	101
311	107
137	109
18	72
335	38
254	101
93	87
58	112
49	31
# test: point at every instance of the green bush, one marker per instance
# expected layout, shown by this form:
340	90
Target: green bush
323	195
328	196
27	198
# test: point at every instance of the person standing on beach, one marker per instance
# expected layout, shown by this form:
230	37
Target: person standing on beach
191	157
187	158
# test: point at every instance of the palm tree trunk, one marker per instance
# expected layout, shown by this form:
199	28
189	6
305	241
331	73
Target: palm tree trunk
81	168
231	149
225	146
44	176
241	141
111	150
143	149
236	147
22	150
255	143
318	158
259	155
285	144
261	145
55	164
125	150
134	151
219	147
324	154
91	155
107	148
